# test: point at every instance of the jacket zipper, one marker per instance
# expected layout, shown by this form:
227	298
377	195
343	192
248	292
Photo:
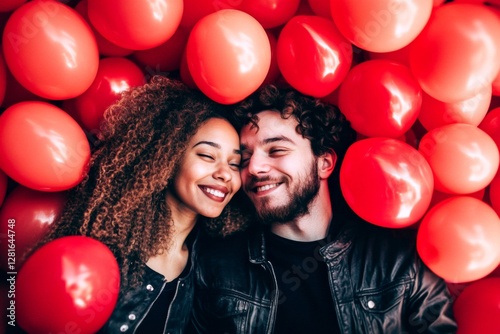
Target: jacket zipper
179	282
150	306
274	307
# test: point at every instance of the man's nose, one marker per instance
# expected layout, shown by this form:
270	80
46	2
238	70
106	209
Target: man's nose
258	164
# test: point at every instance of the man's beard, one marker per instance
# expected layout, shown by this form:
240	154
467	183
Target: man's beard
298	205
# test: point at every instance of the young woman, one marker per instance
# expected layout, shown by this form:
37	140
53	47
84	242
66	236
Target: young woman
167	162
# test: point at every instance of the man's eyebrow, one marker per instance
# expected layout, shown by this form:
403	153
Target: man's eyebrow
271	140
211	143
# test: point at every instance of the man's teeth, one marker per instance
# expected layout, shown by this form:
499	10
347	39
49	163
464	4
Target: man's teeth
267	187
214	192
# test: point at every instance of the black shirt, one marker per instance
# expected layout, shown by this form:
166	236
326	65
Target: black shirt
156	318
305	302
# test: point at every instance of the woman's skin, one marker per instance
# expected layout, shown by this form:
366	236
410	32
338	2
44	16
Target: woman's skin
207	180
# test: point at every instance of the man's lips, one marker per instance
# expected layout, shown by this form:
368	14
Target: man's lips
260	188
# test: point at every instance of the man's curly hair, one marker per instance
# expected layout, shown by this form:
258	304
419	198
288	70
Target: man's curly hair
122	199
323	124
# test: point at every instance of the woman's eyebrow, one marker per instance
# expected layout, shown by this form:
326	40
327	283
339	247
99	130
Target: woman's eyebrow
211	143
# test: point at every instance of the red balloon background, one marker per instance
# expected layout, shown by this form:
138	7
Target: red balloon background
80	277
420	72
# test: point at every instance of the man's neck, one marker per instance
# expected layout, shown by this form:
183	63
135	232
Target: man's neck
311	226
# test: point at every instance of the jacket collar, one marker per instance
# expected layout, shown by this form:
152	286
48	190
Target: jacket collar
340	235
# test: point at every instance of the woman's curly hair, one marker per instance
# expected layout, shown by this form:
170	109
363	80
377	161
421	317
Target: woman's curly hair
122	199
323	124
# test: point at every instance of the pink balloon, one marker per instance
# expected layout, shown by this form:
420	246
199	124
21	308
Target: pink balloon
435	113
50	49
463	158
136	25
458	239
383	25
380	98
386	182
228	55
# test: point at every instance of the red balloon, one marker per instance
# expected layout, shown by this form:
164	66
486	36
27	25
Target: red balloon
165	57
115	75
463	158
10	5
42	147
270	13
105	47
194	10
15	92
313	56
31	213
228	55
401	56
435	113
4	182
477	308
136	25
383	25
380	98
491	125
274	71
471	31
438	196
320	7
494	193
184	72
69	284
458	239
3	78
50	49
386	182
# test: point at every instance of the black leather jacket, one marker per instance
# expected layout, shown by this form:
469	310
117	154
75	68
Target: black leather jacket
377	282
134	305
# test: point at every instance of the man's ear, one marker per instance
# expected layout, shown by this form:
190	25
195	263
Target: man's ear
326	164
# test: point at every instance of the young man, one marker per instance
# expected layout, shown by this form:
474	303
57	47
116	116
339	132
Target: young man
309	266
